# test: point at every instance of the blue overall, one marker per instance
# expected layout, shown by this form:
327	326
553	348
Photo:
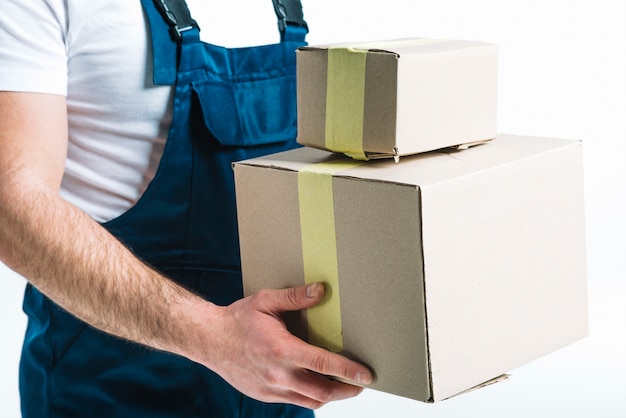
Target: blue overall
229	104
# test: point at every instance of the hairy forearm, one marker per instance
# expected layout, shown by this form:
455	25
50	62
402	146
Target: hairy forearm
79	265
62	251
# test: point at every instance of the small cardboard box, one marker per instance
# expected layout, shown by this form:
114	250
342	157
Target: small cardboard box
400	97
443	271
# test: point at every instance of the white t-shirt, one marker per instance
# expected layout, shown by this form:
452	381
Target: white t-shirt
96	54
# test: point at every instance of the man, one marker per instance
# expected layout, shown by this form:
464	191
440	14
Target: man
94	159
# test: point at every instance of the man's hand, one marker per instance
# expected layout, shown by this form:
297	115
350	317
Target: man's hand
252	349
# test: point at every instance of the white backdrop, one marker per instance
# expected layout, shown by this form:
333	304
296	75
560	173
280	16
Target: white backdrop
562	74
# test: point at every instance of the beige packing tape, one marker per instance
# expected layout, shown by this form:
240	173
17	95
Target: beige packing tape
345	93
319	248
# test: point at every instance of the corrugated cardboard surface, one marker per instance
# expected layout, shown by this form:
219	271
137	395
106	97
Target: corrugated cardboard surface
513	287
380	106
374	220
454	267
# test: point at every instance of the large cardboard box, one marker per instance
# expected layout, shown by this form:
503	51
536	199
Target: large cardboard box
443	271
399	97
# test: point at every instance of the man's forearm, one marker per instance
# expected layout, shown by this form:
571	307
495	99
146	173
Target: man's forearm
79	265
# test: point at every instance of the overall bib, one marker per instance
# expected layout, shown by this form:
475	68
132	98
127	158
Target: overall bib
229	105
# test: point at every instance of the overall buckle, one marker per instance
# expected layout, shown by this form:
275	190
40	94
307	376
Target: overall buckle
177	16
289	12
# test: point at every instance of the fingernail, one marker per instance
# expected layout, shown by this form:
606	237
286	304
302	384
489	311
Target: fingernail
362	377
312	290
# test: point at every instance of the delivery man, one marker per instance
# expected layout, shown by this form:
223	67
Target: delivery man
118	127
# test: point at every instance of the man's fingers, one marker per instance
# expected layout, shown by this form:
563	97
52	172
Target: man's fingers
311	376
323	389
333	365
312	390
310	357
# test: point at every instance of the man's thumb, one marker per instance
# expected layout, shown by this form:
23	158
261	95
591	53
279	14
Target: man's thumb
300	297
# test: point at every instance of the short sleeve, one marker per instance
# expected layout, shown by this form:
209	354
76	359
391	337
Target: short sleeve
33	55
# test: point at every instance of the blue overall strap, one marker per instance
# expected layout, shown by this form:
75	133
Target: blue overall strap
168	19
291	23
177	16
164	46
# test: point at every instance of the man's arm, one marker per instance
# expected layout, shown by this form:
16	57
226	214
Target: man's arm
79	265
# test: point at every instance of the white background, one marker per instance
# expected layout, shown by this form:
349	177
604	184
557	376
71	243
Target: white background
562	74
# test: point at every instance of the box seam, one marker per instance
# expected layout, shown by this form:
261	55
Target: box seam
426	333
